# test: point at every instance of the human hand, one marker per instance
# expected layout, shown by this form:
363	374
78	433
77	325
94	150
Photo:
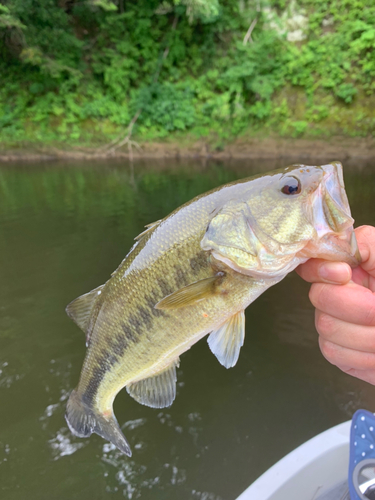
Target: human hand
344	299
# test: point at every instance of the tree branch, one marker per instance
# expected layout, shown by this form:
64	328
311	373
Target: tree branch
247	37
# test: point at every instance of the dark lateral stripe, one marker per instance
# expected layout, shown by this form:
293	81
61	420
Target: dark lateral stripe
150	301
112	355
198	262
181	278
97	376
132	329
165	287
129	331
146	317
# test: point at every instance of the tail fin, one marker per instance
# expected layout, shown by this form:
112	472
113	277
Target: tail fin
83	421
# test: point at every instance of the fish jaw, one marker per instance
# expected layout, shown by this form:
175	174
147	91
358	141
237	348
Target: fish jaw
334	247
331	217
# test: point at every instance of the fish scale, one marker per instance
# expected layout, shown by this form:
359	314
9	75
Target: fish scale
191	274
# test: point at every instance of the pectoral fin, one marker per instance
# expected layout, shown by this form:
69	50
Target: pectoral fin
158	391
191	294
80	309
227	341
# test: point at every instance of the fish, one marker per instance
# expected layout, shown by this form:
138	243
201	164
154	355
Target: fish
192	274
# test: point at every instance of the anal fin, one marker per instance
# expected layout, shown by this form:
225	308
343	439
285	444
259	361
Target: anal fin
158	391
226	341
191	294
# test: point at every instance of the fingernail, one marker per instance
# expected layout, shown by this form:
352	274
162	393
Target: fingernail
335	272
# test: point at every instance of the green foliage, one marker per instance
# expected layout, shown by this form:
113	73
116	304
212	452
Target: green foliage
339	53
77	70
299	127
7	20
204	10
346	92
166	107
104	4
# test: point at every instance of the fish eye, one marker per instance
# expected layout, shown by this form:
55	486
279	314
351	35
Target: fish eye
291	185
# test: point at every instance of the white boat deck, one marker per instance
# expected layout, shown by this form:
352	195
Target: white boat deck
309	472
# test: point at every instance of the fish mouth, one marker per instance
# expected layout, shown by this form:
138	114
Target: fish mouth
341	247
332	218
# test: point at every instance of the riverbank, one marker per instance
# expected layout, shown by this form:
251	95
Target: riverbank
340	148
231	79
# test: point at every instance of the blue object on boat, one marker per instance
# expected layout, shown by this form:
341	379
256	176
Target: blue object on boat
362	455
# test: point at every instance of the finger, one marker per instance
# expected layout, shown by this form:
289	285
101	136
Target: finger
357	337
318	270
366	375
361	277
345	358
351	302
365	236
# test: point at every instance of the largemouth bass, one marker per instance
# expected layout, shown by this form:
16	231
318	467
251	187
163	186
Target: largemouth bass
193	273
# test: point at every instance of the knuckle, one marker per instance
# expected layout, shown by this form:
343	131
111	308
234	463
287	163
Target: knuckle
325	324
369	318
365	232
328	349
308	271
313	294
318	294
365	236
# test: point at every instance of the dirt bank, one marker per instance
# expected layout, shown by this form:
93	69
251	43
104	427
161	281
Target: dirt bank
340	148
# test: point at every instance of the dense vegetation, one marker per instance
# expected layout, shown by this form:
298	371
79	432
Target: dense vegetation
80	71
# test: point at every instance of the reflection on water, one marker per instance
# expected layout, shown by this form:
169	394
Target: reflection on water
62	445
63	229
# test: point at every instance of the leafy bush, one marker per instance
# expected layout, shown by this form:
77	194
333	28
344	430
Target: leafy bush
86	66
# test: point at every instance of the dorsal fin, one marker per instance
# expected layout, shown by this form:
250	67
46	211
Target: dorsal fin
158	391
80	309
150	227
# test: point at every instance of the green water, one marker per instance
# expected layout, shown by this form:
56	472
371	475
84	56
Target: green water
63	229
